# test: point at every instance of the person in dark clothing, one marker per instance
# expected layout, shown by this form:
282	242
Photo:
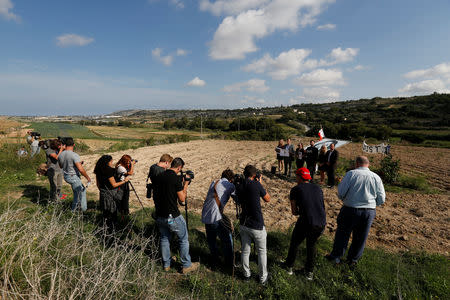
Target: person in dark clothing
307	203
332	158
155	171
322	163
280	158
172	189
251	222
54	173
300	155
312	154
107	185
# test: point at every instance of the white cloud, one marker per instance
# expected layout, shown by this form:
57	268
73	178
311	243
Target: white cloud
230	7
236	35
6	7
321	94
196	82
321	77
326	27
177	3
181	52
73	40
165	59
339	55
358	68
252	85
442	69
286	64
284	92
425	87
294	61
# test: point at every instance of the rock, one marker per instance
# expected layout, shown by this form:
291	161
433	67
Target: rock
403	238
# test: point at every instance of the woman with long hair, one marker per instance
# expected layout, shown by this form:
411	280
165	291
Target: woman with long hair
300	156
322	163
280	159
107	185
124	168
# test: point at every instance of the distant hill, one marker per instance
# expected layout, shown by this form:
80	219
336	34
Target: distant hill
418	112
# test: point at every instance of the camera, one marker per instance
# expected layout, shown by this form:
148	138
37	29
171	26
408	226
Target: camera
238	179
35	134
63	140
135	160
189	177
44	144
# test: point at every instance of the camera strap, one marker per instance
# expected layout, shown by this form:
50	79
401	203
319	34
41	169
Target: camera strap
216	196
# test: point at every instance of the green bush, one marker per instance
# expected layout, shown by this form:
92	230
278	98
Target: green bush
148	142
417	183
389	169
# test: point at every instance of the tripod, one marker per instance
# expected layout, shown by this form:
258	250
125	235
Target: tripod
139	199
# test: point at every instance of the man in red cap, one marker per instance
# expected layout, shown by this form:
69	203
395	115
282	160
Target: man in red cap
307	203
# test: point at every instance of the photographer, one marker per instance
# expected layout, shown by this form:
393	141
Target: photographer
252	222
173	189
124	168
108	187
35	147
307	203
216	224
153	174
54	172
72	167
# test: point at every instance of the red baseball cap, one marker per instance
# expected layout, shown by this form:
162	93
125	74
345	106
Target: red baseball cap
303	173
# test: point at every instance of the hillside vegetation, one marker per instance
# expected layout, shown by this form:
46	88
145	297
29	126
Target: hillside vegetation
412	119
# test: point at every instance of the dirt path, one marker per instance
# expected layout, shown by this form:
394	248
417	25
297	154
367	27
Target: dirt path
407	221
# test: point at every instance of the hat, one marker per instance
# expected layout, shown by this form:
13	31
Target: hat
303	173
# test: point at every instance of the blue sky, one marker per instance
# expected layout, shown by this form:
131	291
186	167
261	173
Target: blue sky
93	57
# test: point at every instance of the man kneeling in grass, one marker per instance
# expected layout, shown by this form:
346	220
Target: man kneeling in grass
306	202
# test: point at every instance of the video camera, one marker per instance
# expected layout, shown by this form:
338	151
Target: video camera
45	144
35	134
63	140
189	177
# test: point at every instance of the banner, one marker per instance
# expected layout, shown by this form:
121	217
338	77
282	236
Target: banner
381	148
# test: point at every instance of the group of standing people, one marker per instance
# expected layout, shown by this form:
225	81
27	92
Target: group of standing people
324	160
361	191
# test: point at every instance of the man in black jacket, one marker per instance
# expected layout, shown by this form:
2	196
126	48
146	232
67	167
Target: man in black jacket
307	203
332	158
312	154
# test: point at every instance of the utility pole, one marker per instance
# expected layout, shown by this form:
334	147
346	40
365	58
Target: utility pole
201	125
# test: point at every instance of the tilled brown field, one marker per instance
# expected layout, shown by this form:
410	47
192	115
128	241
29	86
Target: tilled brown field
406	222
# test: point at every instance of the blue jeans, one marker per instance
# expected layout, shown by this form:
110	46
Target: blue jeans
179	228
352	220
214	230
79	191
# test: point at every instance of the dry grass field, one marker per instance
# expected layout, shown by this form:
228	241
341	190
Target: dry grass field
407	221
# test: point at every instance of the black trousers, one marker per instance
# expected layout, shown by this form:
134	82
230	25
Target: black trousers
311	166
300	163
312	234
330	174
287	164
